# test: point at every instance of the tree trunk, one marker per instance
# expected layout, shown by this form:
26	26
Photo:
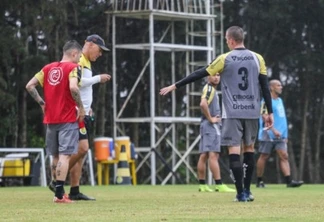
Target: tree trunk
317	170
135	133
22	103
304	132
310	161
292	159
278	170
23	120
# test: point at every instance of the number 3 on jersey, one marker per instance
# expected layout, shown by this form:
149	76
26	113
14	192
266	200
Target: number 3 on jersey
245	83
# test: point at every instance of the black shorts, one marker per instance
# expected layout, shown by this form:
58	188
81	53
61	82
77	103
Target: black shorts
83	133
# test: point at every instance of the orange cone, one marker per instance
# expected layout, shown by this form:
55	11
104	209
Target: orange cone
123	173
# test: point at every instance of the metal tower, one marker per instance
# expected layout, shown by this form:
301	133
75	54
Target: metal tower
163	129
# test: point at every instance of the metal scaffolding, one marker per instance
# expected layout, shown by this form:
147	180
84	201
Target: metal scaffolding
187	12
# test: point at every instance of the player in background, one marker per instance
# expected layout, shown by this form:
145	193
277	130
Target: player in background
243	72
210	132
92	49
274	138
63	109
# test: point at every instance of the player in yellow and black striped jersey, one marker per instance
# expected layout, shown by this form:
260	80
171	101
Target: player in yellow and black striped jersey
242	72
93	48
210	127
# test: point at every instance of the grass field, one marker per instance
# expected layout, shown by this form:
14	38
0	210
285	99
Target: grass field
164	203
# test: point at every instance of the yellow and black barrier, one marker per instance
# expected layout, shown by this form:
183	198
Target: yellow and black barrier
123	173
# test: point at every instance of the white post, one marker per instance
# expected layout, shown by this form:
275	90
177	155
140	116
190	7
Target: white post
152	94
91	168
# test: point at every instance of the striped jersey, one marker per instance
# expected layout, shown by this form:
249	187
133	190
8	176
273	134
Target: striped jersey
210	94
239	70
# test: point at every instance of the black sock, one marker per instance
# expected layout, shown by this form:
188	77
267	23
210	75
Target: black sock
248	167
260	179
218	182
59	189
74	190
202	182
288	179
236	171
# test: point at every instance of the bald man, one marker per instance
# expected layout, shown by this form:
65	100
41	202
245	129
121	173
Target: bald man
274	138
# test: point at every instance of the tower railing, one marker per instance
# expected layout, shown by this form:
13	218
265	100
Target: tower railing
197	45
180	6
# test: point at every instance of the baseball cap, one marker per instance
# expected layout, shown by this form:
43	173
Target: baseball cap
96	39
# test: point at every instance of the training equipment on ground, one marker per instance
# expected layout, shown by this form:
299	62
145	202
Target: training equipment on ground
123	173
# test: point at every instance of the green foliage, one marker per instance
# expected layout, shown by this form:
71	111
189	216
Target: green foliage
34	139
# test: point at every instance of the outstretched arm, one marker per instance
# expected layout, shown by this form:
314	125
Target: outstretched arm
102	78
198	74
167	89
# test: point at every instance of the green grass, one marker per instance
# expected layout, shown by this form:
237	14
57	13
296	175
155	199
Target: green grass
164	203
